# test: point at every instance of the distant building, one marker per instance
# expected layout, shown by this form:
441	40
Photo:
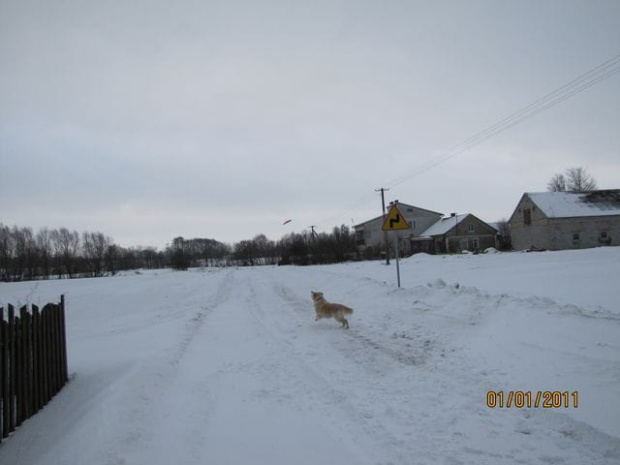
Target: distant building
429	233
369	236
456	233
566	220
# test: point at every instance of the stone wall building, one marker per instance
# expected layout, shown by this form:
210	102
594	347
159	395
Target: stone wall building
566	220
456	233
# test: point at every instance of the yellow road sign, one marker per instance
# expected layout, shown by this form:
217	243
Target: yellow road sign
395	221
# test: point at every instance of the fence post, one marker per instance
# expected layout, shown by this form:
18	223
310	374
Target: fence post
36	375
10	407
22	366
41	361
41	338
28	384
63	341
43	358
2	378
5	376
49	348
55	349
18	370
45	346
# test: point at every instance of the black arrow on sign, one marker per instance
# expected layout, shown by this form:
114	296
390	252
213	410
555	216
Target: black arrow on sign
394	220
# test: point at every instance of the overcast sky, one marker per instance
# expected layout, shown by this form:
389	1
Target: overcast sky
148	120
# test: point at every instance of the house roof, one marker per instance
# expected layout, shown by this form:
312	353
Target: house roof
573	205
368	221
444	225
402	207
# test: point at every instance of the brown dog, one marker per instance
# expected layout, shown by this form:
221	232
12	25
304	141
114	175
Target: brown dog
325	309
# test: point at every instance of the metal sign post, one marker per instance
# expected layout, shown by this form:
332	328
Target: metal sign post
397	260
395	221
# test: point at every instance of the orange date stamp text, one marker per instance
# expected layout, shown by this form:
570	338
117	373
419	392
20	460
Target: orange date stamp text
535	399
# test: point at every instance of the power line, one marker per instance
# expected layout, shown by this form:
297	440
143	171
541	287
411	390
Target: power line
553	98
361	201
549	100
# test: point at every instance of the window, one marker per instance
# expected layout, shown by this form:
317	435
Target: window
470	227
472	244
604	238
527	216
359	237
575	236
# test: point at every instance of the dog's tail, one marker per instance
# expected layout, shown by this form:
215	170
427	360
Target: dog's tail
344	309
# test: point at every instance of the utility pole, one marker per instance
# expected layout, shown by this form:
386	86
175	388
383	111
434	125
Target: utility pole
313	234
385	237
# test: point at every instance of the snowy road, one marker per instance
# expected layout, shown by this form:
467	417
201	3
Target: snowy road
228	367
240	392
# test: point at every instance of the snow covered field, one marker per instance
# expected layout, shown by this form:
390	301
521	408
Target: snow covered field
227	366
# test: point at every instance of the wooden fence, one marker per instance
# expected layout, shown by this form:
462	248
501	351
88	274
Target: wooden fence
33	361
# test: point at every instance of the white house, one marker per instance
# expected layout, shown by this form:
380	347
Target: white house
370	237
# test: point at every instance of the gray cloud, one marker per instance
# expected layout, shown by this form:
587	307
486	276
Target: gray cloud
154	119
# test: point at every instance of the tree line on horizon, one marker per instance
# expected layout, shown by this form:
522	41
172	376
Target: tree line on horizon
62	253
306	248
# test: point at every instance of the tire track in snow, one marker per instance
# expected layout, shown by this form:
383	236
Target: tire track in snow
154	381
459	313
395	389
332	397
363	341
195	324
256	391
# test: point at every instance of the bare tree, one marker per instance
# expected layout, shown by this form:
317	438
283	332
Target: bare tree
557	183
246	252
505	240
579	180
25	253
65	245
95	246
111	258
56	247
44	246
264	250
179	253
6	252
575	179
149	258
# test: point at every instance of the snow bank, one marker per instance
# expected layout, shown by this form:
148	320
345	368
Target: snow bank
228	365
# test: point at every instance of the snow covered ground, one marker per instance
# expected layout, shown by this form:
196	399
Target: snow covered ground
227	366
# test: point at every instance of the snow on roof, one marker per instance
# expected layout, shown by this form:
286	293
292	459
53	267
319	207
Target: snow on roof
571	204
402	207
444	225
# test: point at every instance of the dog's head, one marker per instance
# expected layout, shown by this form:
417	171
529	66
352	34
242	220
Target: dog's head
316	295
